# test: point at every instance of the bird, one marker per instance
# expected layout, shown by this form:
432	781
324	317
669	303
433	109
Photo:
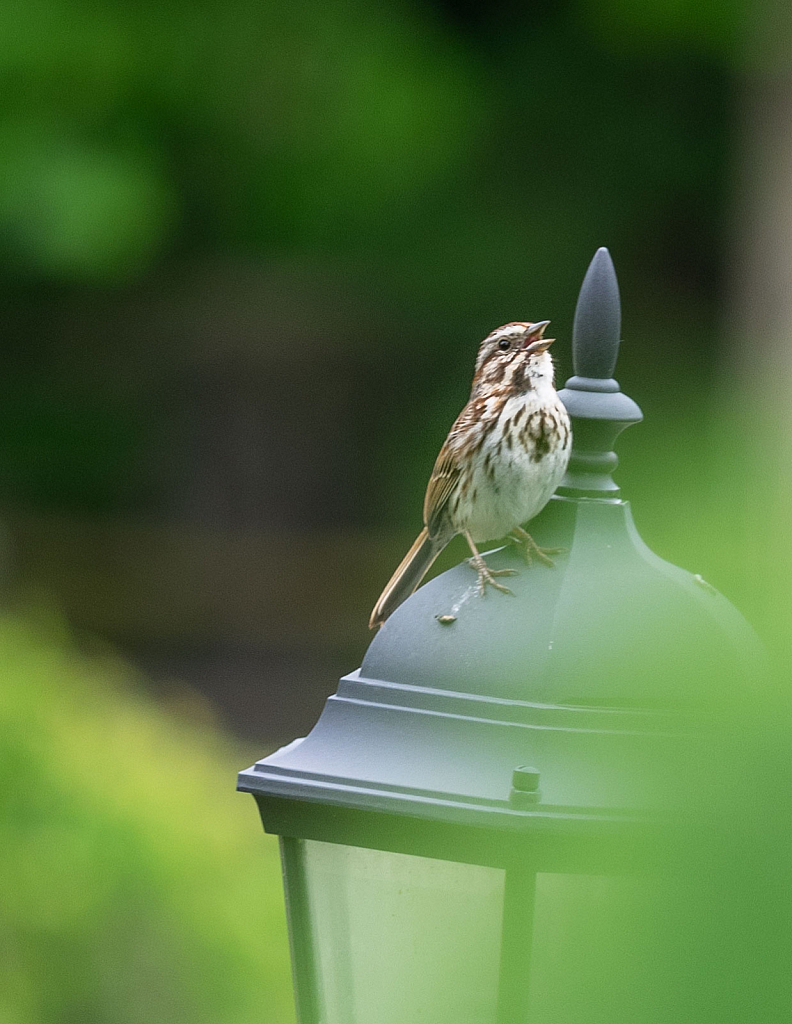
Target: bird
499	466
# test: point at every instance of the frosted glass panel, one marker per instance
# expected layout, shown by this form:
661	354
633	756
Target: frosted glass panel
401	939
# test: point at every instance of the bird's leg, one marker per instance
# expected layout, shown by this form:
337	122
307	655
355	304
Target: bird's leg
485	574
530	548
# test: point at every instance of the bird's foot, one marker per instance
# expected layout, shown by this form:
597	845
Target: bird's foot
530	548
486	576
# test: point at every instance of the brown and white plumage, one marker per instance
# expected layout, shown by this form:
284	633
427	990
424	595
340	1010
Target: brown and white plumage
503	458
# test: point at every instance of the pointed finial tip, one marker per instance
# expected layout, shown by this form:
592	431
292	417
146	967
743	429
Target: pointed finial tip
602	263
597	325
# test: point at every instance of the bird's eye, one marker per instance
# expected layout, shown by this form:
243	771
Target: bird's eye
503	344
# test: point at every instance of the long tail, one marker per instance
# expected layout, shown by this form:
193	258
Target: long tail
412	569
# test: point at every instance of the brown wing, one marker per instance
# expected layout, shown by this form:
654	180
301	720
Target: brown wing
469	427
441	486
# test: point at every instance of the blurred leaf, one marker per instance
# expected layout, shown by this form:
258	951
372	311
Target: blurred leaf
75	211
135	885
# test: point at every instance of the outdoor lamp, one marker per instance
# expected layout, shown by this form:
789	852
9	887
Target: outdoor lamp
489	774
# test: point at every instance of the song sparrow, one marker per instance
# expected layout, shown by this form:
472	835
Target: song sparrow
503	458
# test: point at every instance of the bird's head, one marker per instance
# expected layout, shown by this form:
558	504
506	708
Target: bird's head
515	357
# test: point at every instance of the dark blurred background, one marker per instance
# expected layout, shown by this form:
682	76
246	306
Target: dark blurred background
248	251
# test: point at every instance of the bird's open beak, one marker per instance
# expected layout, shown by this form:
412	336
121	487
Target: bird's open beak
534	342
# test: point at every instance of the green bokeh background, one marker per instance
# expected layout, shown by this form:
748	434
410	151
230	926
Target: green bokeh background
133	886
247	252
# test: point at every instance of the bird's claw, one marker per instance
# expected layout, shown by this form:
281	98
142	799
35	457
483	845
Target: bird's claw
529	548
486	576
543	554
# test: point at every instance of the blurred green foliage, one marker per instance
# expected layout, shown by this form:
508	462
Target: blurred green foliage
710	26
133	124
134	886
133	132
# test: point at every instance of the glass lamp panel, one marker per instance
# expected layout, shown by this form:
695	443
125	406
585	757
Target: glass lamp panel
398	939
